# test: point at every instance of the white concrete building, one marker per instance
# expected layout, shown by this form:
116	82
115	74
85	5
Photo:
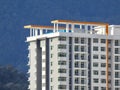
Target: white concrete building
73	55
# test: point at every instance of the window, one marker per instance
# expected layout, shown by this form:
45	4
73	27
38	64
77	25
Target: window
95	40
51	71
116	51
77	80
76	48
116	43
95	80
117	74
82	48
62	46
95	56
96	88
82	41
102	48
62	87
83	73
103	57
82	65
83	88
82	56
51	79
61	54
51	47
82	80
102	72
95	48
51	55
76	56
95	72
61	70
61	62
116	67
103	88
76	40
51	63
62	38
95	64
76	87
103	81
61	78
77	72
77	64
102	40
117	58
117	83
103	64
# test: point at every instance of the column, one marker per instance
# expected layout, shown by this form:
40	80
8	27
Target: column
86	28
30	31
41	31
36	32
72	27
67	27
56	28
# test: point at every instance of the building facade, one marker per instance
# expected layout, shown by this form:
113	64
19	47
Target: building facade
73	55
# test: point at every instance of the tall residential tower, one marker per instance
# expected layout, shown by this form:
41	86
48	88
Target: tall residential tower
73	55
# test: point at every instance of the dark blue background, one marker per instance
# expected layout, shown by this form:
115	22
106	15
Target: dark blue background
14	14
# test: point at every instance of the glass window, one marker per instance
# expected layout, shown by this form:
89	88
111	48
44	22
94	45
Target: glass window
103	81
76	40
95	64
102	48
95	80
95	40
103	88
61	62
61	78
96	88
103	57
61	70
82	48
95	72
95	48
103	64
62	87
95	56
82	41
61	54
76	56
103	40
76	87
76	48
82	64
77	72
62	38
62	46
82	80
102	72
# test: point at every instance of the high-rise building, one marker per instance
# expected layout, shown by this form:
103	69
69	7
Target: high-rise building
73	55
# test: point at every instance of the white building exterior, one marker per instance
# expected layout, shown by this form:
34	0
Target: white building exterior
73	55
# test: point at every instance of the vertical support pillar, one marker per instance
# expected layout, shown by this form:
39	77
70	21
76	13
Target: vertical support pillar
80	28
33	32
86	29
41	31
36	32
72	27
67	27
30	32
56	27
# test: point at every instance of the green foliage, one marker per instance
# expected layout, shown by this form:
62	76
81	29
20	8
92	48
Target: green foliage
12	79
